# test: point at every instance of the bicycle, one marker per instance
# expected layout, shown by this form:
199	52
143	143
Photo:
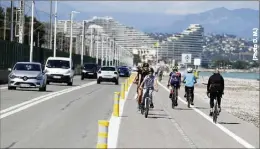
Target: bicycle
215	110
147	102
174	95
189	96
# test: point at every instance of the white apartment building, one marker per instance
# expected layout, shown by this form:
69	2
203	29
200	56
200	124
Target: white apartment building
190	41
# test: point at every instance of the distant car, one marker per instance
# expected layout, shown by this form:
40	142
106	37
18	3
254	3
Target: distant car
27	75
124	71
89	70
59	70
134	69
108	74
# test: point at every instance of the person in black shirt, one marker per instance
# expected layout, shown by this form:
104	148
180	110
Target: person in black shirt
215	90
142	72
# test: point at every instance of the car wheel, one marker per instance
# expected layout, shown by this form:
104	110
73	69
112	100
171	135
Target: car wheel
42	88
48	82
70	83
82	77
11	88
98	81
116	82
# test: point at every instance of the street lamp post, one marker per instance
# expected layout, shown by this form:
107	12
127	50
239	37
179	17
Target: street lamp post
107	47
71	23
31	45
102	50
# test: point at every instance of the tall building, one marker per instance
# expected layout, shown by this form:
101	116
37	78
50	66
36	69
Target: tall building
190	41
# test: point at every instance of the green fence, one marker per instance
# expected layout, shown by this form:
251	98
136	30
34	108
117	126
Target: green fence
12	52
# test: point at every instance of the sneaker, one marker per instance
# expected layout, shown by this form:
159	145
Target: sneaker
176	104
211	112
192	103
151	105
219	108
170	96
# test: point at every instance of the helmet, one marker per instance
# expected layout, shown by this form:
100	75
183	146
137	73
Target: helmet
189	70
151	70
216	70
175	68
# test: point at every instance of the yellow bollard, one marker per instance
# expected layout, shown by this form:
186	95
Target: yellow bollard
102	134
126	87
116	104
122	95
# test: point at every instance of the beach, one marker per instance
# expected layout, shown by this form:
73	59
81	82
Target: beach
241	97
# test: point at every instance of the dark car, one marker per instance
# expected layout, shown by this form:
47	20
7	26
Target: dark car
124	72
89	71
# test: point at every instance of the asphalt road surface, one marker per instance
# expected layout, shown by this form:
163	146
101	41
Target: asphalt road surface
63	117
182	127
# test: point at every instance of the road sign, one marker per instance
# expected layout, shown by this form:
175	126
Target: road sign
197	61
186	58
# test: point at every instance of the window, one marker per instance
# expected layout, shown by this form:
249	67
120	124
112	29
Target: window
89	66
58	64
27	67
108	69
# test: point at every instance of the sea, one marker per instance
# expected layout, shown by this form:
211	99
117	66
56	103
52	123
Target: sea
237	75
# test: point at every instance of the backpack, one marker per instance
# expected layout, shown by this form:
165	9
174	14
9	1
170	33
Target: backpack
174	79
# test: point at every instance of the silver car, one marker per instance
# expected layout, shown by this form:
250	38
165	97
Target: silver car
27	75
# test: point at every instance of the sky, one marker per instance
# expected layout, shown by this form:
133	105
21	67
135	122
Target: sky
165	7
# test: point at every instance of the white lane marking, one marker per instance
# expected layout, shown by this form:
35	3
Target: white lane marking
114	124
178	127
38	100
224	129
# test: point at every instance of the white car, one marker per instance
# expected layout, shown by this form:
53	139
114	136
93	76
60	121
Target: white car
108	74
59	70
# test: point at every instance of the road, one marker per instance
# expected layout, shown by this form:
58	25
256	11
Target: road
62	117
182	127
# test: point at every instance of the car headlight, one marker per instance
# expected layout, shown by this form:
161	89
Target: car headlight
39	77
12	76
67	73
84	71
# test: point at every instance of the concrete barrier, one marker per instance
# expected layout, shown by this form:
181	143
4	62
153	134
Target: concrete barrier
4	76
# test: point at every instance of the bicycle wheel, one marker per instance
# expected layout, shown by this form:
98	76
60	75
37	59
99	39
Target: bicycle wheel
188	99
173	98
147	105
215	112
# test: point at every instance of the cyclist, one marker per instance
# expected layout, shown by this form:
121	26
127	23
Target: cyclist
143	72
149	81
189	80
215	90
174	78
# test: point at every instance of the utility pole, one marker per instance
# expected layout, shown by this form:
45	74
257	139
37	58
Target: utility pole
5	23
106	51
12	21
82	41
97	48
55	30
21	22
71	24
31	46
102	51
91	42
50	24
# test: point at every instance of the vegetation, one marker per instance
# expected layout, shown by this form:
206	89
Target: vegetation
39	28
235	64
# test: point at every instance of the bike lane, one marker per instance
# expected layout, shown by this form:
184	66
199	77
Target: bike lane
181	127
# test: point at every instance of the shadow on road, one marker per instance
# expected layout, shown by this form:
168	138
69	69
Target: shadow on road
32	90
201	108
182	108
228	123
158	114
158	117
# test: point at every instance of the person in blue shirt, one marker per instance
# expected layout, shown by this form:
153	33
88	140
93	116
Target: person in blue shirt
189	80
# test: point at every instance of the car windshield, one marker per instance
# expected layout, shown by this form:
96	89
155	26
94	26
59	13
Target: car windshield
58	64
108	69
89	66
27	67
122	69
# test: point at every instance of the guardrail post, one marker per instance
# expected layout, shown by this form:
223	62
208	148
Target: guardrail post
102	134
116	104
